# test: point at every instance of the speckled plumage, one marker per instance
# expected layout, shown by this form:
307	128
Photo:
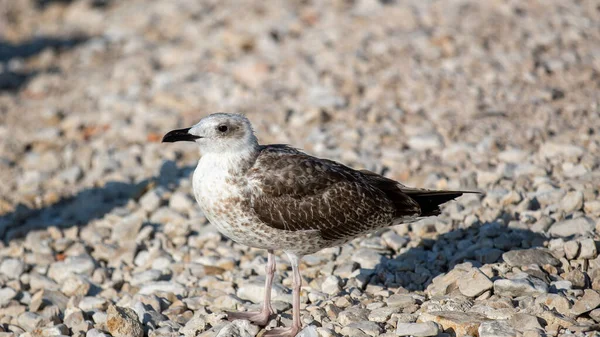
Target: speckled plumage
278	198
284	199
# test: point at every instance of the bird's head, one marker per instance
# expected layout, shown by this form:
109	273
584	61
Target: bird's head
218	133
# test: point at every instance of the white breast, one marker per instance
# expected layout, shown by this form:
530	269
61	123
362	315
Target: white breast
213	187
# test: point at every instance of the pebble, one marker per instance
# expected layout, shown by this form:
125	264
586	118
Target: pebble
588	302
540	257
474	283
123	322
238	328
496	329
12	268
521	285
417	329
572	227
6	295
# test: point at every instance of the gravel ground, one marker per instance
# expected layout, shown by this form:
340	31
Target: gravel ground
102	237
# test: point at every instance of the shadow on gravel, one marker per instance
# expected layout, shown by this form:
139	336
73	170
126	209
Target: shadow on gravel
479	244
88	204
15	79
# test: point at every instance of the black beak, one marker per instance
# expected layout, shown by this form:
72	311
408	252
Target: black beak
179	135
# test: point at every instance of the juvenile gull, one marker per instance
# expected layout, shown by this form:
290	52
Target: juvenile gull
276	197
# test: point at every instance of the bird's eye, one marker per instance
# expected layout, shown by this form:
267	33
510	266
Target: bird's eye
222	128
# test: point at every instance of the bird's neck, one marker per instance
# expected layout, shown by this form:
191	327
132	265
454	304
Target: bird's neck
230	162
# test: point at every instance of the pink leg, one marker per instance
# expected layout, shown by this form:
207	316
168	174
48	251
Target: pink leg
260	318
296	324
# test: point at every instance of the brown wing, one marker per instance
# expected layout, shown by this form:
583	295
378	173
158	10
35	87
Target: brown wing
294	191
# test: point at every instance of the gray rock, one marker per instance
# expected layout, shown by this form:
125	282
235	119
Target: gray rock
496	329
76	285
573	227
193	326
331	285
474	283
571	249
238	328
12	268
523	322
254	291
552	150
72	265
521	285
572	201
56	330
369	328
417	329
96	333
30	321
127	229
383	314
588	302
48	297
353	315
123	322
164	286
6	295
90	303
145	276
525	257
588	249
367	258
309	331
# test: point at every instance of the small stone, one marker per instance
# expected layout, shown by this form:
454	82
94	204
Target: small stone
460	322
400	300
474	283
123	322
588	302
12	268
6	295
522	322
238	328
367	258
417	329
145	276
76	285
496	329
163	286
89	303
521	285
72	265
30	321
572	201
331	285
383	314
193	326
525	257
181	202
352	315
588	249
96	333
577	278
370	328
254	291
552	150
571	249
573	227
57	330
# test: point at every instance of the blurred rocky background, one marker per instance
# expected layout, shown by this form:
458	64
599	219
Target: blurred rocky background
101	235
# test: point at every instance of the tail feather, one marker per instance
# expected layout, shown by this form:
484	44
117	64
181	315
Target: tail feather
429	201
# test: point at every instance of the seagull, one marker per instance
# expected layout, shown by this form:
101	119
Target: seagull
276	197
